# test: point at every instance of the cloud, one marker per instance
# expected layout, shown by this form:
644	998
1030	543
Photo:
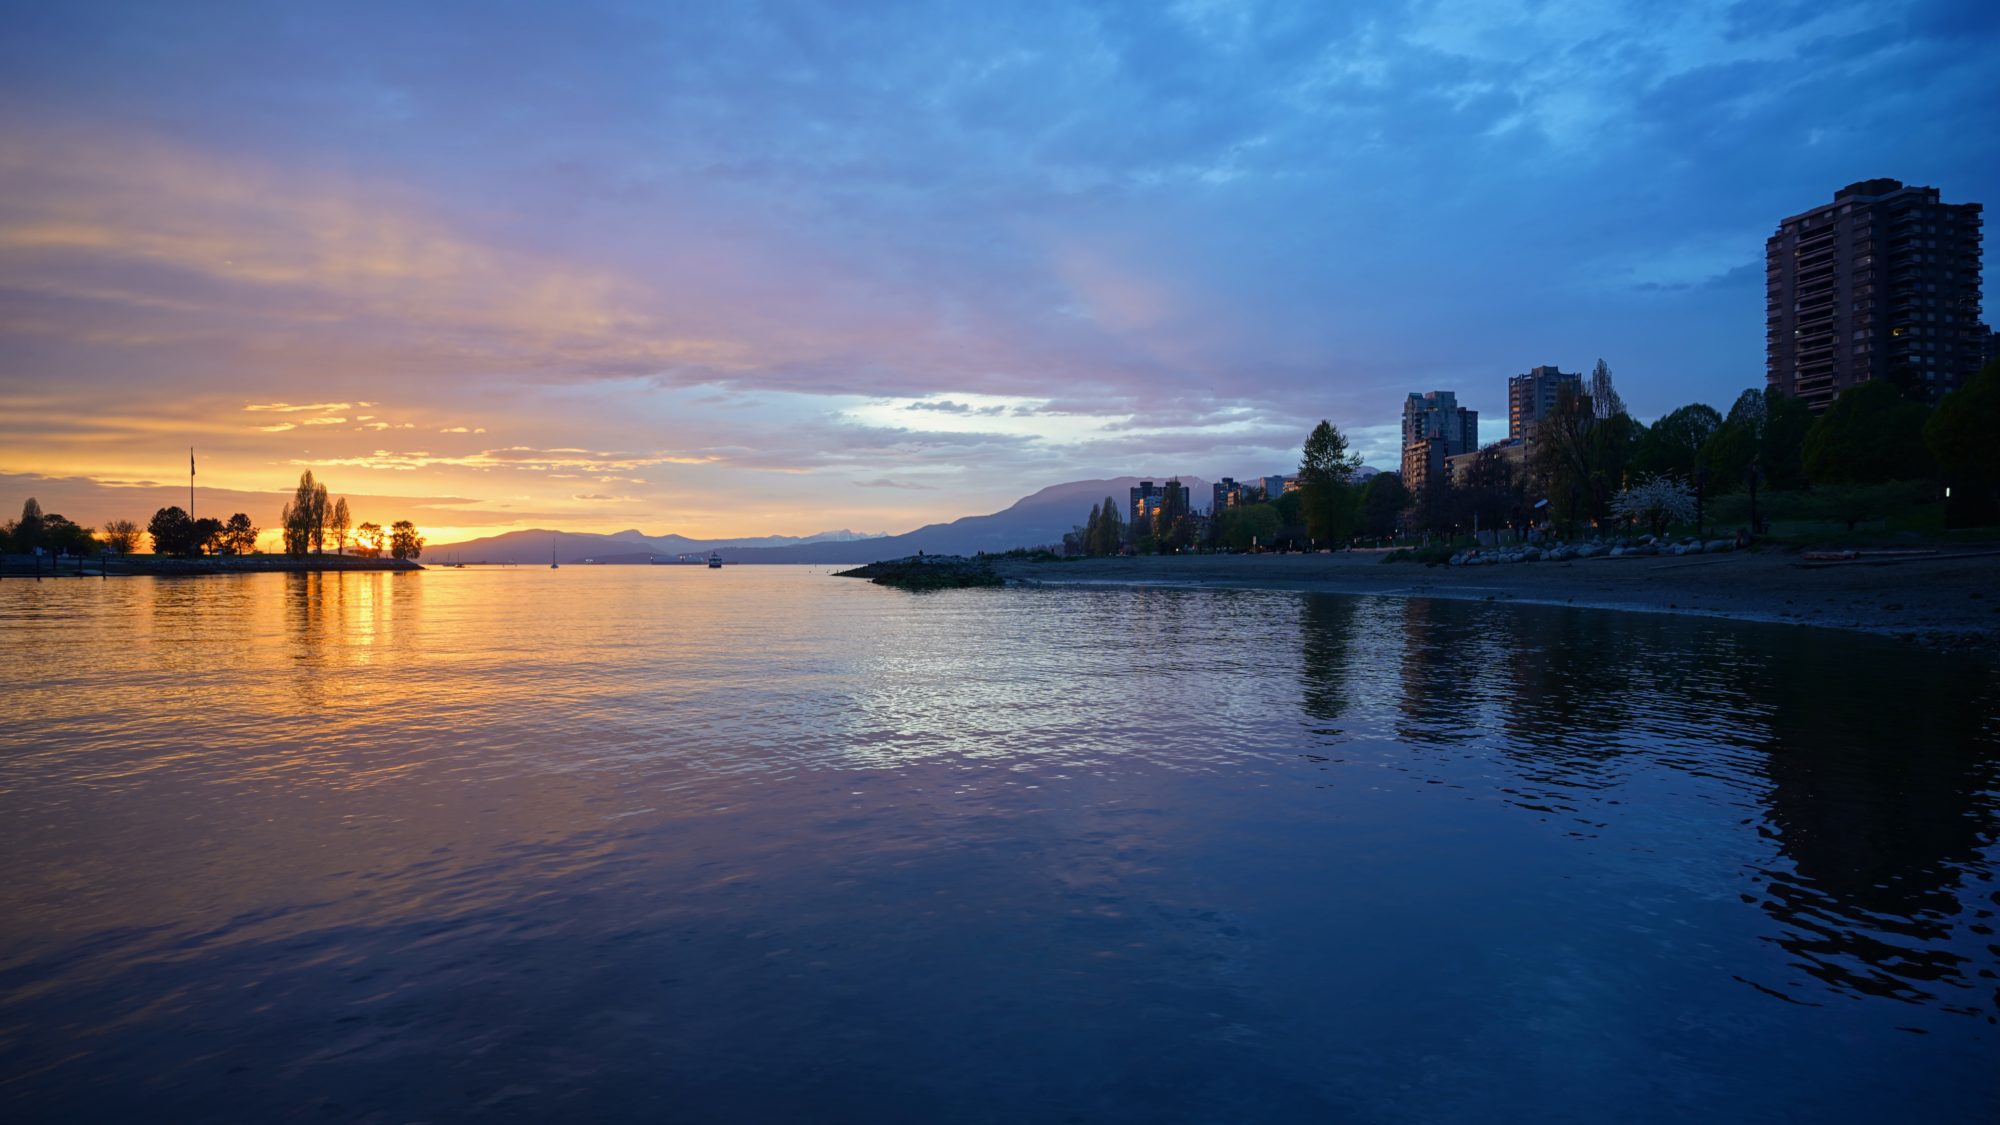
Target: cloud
1061	240
884	482
946	406
289	408
521	458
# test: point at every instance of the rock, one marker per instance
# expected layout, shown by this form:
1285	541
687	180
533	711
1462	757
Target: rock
928	572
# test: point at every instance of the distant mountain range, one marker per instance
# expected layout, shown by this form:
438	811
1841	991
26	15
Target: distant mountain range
1032	521
536	544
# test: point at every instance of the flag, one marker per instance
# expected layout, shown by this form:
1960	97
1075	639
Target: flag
190	460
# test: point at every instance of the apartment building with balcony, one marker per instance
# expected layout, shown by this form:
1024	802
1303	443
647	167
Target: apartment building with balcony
1881	283
1531	397
1435	426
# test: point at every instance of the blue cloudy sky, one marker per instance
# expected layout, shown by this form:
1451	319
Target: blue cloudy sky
779	267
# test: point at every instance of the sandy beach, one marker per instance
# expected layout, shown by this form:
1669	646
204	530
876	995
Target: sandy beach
1951	599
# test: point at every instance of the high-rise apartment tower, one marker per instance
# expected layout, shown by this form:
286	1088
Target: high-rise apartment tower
1882	283
1531	397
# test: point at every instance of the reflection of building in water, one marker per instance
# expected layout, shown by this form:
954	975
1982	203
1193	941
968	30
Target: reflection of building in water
1880	803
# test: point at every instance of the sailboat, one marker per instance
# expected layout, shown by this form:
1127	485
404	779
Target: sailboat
553	564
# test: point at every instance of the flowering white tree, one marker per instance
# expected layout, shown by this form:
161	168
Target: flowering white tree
1659	501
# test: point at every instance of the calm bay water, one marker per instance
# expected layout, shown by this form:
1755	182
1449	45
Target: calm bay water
761	844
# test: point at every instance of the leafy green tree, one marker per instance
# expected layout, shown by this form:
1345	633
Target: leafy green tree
1727	455
1869	435
1781	452
1290	507
1325	470
1381	504
1086	536
1247	526
404	542
122	536
1173	527
1963	436
1672	445
1110	530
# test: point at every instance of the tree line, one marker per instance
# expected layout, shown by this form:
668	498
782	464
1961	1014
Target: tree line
1595	465
1325	510
311	522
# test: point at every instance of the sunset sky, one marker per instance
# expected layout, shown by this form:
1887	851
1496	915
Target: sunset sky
744	269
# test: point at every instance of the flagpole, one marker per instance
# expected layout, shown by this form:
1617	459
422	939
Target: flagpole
190	483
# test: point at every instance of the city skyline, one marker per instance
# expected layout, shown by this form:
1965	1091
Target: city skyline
816	270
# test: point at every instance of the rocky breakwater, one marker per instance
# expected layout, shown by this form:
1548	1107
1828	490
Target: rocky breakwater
1590	549
928	572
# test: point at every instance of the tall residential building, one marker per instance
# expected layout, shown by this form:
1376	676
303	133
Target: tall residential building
1274	487
1227	494
1148	498
1435	426
1531	397
1882	283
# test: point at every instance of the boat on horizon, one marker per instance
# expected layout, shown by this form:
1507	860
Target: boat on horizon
714	561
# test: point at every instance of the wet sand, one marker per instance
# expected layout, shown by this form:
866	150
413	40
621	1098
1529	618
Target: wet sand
1950	599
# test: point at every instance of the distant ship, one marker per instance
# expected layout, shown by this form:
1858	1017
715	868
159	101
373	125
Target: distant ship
714	562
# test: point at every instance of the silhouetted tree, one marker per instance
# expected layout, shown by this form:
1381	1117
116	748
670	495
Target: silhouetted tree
368	540
1110	537
404	542
122	536
1381	505
208	535
1603	399
337	524
173	533
1580	462
239	536
305	517
1489	495
60	536
27	531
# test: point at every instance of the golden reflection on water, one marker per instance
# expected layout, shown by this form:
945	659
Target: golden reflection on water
407	775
